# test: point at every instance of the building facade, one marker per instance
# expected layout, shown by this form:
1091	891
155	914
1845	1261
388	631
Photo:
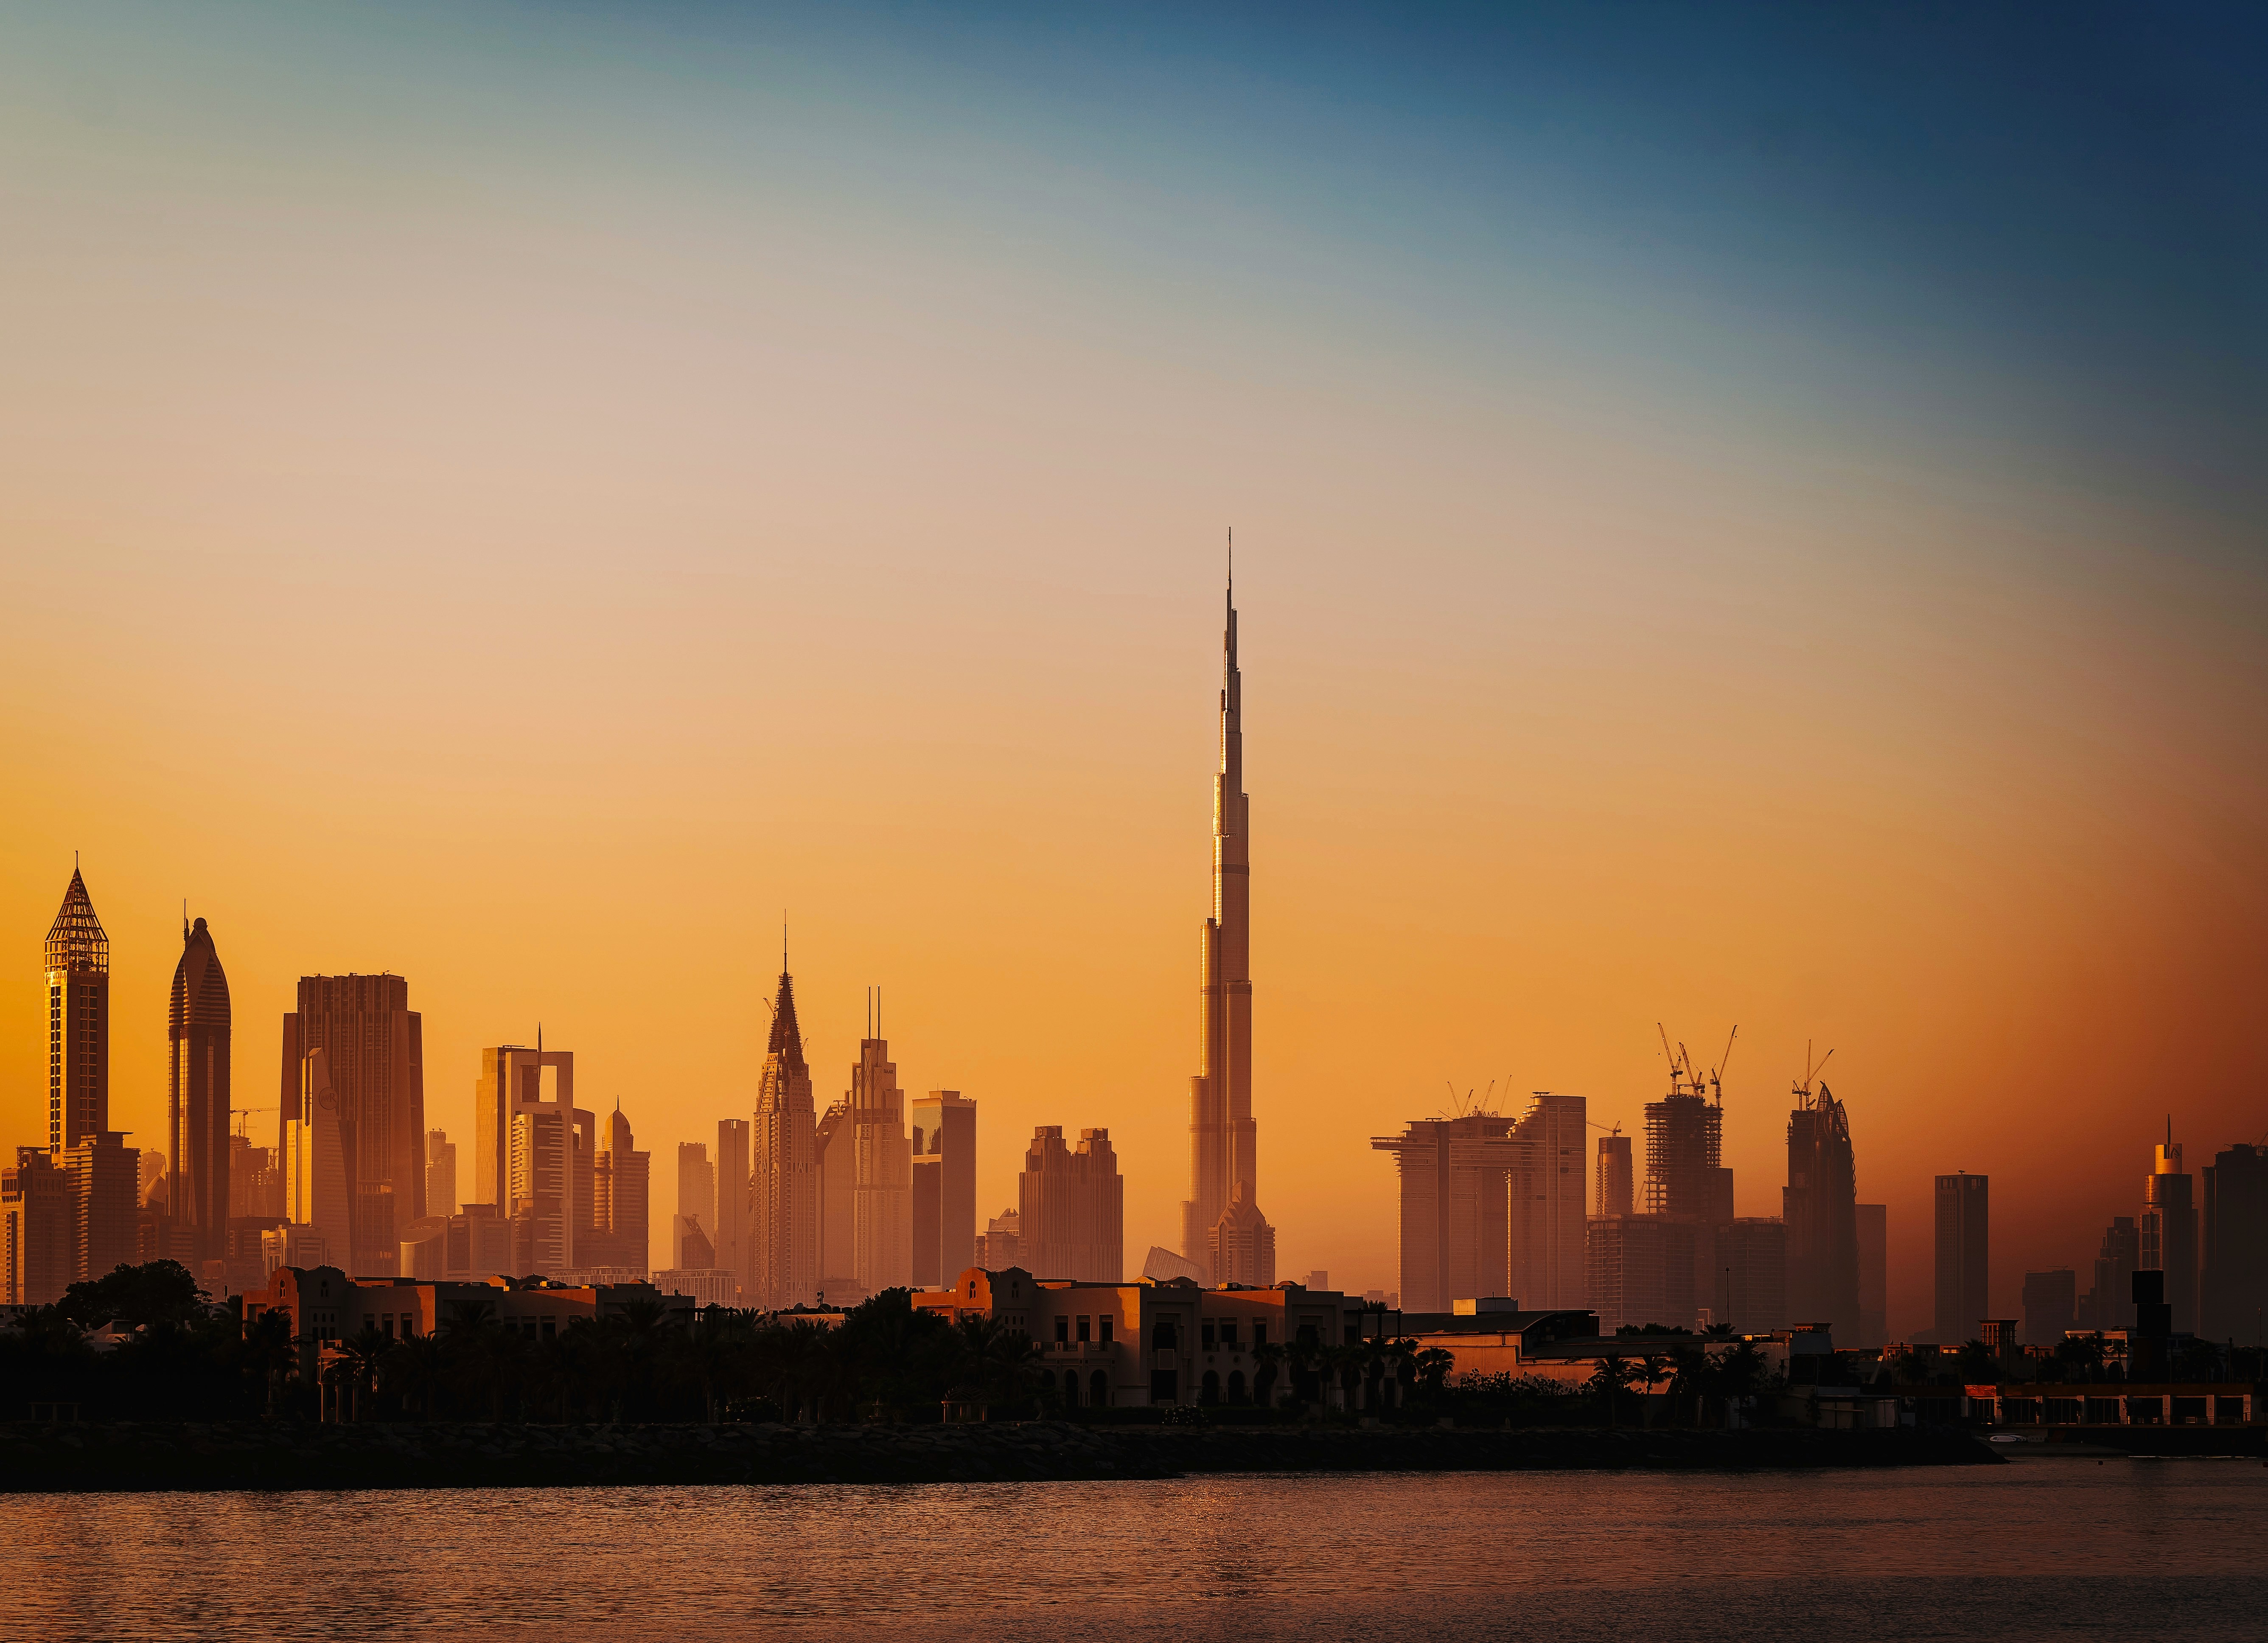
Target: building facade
2232	1245
1489	1206
620	1230
1071	1207
2109	1303
373	1044
1144	1344
696	1207
1873	1274
1224	1166
1963	1251
944	1144
440	1174
1616	1193
2051	1305
732	1189
38	1230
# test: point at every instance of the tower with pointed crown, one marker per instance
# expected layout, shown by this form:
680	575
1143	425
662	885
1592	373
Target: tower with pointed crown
1222	1227
781	1234
198	1093
79	1021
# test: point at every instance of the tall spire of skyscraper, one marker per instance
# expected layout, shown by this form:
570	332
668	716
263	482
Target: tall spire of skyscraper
781	1255
78	1013
787	1039
1222	1227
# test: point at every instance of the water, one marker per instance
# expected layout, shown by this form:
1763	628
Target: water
2041	1548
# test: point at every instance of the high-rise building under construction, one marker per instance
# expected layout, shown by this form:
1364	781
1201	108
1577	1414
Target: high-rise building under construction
1820	1204
1492	1207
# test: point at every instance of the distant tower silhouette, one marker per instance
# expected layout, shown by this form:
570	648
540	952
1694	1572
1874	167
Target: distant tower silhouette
780	1266
198	1093
1222	1227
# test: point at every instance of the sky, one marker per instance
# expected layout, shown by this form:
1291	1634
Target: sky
1744	516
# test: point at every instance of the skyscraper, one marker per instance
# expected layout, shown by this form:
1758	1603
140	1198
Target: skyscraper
2109	1304
1616	1194
2051	1305
1963	1256
2233	1290
375	1046
38	1258
781	1238
733	1198
440	1174
621	1201
198	1093
1071	1207
697	1205
1751	1287
526	1161
944	1187
2170	1231
1685	1146
78	1021
1491	1207
882	1229
318	1146
1820	1204
1223	1212
1874	1274
1544	1213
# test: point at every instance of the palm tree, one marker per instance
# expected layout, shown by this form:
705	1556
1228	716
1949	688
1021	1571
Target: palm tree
270	1352
360	1354
1267	1357
1653	1368
1432	1365
1608	1380
1740	1371
1349	1362
1692	1375
418	1363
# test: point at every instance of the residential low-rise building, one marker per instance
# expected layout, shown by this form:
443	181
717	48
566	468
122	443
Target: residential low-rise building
324	1305
1147	1343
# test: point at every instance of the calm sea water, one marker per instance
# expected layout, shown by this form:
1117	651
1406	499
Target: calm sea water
2043	1548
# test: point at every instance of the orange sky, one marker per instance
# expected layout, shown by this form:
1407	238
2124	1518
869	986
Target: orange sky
529	568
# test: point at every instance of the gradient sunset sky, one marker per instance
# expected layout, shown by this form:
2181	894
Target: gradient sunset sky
1742	515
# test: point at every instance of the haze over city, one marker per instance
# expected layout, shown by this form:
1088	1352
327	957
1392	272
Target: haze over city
1704	557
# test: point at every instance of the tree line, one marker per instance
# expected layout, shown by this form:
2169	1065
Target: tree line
144	1343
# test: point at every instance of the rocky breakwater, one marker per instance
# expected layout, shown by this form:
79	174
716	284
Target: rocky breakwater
285	1454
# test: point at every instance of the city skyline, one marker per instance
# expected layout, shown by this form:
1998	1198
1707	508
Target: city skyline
1713	555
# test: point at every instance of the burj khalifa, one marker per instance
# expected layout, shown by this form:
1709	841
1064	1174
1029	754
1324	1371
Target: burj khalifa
1222	1228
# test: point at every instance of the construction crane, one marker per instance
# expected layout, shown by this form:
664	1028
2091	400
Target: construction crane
240	1111
1811	1072
1685	1079
1466	1106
